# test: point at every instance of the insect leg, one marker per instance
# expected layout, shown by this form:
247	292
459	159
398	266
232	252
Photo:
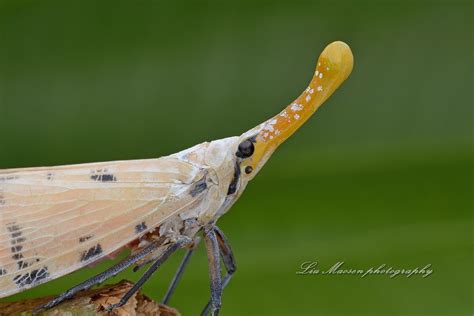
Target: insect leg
226	251
101	277
180	271
212	247
166	254
229	262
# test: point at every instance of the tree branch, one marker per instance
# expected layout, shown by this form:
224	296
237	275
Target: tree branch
93	302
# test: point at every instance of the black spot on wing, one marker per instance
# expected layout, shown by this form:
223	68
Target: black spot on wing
2	198
8	178
17	256
198	187
14	230
91	253
103	177
22	264
140	227
84	238
18	240
16	248
32	277
3	271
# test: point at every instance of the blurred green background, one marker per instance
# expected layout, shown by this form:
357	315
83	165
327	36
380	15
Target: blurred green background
382	173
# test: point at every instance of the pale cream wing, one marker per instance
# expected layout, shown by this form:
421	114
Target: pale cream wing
56	220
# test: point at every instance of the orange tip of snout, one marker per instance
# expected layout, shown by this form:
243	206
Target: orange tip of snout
338	54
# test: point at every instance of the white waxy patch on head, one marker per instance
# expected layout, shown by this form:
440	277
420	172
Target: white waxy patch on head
316	73
320	75
277	132
284	114
265	135
308	98
319	88
271	137
296	107
311	91
296	116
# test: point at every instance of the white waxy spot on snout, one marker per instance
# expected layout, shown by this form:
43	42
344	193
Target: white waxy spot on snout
269	128
317	73
320	75
296	107
265	135
308	98
296	116
284	114
277	132
311	91
327	68
271	137
319	88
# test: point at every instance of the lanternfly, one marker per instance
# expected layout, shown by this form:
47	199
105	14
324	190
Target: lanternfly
55	220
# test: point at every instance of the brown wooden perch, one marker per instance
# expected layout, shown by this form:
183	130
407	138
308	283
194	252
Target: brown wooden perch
93	302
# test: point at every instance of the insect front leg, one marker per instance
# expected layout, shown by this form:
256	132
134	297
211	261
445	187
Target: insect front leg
229	262
181	241
180	271
226	251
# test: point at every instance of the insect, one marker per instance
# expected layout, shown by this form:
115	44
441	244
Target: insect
55	220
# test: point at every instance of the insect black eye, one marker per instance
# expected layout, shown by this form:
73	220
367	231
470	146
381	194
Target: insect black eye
248	169
245	149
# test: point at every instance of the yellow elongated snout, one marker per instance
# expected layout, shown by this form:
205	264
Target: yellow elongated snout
333	67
